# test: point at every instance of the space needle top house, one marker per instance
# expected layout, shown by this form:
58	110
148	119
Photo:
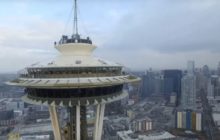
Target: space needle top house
75	80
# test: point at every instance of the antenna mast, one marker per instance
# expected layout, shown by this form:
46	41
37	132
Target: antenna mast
75	24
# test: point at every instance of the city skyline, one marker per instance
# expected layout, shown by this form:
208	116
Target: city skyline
162	80
135	34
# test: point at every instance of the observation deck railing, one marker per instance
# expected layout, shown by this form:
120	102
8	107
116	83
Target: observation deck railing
70	73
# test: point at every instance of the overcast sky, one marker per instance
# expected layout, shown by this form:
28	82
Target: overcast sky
139	34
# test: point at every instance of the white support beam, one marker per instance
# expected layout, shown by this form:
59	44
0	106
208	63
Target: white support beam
96	122
55	123
78	122
100	111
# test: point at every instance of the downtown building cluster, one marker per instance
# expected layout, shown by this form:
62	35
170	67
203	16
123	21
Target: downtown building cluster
182	89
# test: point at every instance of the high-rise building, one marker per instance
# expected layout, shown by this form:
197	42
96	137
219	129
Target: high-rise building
189	120
190	67
74	80
201	80
188	92
141	124
210	90
205	70
147	84
152	83
172	83
188	88
158	85
214	87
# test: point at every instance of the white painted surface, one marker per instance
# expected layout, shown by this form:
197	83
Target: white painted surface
102	112
97	122
179	119
55	122
198	121
147	125
78	122
150	127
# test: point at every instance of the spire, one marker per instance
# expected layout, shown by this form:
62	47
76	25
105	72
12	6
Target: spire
75	24
75	37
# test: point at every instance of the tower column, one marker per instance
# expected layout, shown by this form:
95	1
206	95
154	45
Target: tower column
55	122
96	122
83	126
78	122
100	111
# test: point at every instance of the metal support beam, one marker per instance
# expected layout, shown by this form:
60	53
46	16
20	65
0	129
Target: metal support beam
83	126
55	123
78	122
72	133
100	111
96	122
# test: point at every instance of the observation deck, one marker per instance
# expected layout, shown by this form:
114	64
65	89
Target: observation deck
74	77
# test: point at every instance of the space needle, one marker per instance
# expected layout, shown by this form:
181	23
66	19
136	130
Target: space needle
74	80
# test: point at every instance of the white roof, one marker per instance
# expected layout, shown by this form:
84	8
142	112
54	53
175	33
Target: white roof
75	61
35	128
76	55
124	135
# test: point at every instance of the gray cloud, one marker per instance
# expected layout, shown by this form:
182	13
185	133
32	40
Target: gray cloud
170	27
139	34
165	34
